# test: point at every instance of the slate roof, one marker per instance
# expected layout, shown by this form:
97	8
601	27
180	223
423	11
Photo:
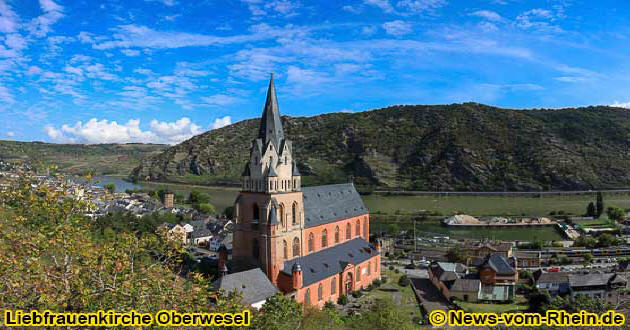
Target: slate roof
447	271
253	284
555	278
499	264
330	203
330	261
200	229
296	171
466	285
270	124
580	280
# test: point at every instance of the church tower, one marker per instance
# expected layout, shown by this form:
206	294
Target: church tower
269	209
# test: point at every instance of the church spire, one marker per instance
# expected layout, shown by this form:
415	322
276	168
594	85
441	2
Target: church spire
270	123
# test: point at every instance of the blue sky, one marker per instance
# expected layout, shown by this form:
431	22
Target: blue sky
163	70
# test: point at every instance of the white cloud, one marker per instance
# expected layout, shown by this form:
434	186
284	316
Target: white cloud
168	3
397	28
538	19
10	134
384	5
220	100
8	18
34	70
368	30
104	131
221	122
41	25
15	41
5	95
621	105
286	8
130	52
143	71
419	6
489	15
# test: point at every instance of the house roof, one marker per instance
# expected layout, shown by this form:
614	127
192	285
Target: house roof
253	284
502	247
579	280
200	229
499	264
447	271
333	260
330	203
466	285
555	278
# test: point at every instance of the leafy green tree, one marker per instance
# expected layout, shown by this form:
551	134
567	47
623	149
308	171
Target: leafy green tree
616	213
110	187
591	211
205	208
454	254
403	281
198	197
606	240
393	229
382	314
600	204
279	312
587	258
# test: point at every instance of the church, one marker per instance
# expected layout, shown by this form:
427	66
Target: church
311	242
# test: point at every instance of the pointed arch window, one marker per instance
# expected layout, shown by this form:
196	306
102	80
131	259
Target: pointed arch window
333	285
348	231
307	296
285	250
255	249
358	228
366	233
280	211
320	292
358	275
324	238
256	212
337	234
296	247
294	213
310	242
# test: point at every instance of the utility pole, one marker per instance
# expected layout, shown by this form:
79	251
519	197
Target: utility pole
415	241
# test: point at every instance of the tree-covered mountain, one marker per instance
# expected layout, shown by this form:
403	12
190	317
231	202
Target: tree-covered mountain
466	146
97	159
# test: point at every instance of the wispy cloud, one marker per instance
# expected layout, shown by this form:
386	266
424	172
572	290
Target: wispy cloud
397	28
41	25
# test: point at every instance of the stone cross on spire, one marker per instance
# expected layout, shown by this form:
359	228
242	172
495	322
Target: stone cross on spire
270	123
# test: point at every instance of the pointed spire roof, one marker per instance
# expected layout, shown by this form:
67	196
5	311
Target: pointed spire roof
270	123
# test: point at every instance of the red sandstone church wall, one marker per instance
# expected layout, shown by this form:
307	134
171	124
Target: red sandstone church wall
330	228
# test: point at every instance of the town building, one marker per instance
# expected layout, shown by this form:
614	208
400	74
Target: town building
554	283
498	279
169	199
253	285
311	242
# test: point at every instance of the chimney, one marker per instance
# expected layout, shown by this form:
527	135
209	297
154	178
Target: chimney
296	273
377	244
222	263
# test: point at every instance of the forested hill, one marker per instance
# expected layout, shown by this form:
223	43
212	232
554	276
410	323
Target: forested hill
467	146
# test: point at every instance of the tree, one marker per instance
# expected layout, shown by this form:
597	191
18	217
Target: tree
278	312
205	208
539	301
393	229
198	197
587	258
403	281
455	255
591	211
616	213
383	314
606	240
110	187
600	204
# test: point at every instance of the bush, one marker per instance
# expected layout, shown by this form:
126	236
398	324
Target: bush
357	294
396	271
343	300
205	208
403	281
377	283
391	267
329	305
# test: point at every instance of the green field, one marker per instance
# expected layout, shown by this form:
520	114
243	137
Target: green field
490	205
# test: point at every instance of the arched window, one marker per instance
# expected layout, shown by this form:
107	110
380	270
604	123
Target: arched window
358	228
255	249
256	212
333	286
358	275
348	231
281	214
324	238
294	213
365	229
337	234
320	292
296	247
310	242
369	269
285	249
307	296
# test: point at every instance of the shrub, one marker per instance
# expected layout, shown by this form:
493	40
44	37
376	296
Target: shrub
403	281
396	271
357	294
329	305
343	300
376	283
391	267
